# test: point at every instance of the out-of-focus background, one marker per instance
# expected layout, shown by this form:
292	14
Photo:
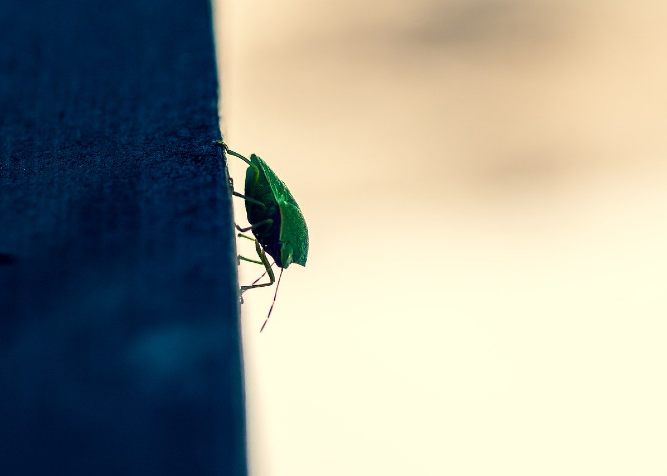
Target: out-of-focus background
484	183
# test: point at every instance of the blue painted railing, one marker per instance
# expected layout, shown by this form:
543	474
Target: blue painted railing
120	351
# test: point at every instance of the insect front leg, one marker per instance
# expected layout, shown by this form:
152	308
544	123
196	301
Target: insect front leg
240	195
231	152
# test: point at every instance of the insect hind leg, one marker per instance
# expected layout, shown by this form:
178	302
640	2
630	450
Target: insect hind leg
265	261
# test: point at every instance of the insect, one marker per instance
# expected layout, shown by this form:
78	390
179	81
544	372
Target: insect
276	221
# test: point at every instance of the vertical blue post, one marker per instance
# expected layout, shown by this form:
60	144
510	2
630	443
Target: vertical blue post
120	347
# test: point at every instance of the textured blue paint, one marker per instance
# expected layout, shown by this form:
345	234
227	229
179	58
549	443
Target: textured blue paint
119	334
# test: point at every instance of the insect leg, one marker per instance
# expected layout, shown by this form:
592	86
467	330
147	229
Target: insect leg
267	266
248	199
241	235
268	221
262	275
235	154
243	258
237	194
231	182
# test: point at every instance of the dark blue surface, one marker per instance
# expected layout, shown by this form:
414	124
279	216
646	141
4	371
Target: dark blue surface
119	333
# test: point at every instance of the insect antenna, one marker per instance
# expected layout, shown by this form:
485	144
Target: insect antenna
274	300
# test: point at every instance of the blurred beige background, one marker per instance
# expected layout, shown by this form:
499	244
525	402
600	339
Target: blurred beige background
484	183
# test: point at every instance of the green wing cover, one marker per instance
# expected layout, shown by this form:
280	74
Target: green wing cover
293	229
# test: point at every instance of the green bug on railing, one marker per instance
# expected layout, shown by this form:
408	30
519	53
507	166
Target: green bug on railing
275	220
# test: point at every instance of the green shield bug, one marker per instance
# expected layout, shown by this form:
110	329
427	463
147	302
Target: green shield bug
275	219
